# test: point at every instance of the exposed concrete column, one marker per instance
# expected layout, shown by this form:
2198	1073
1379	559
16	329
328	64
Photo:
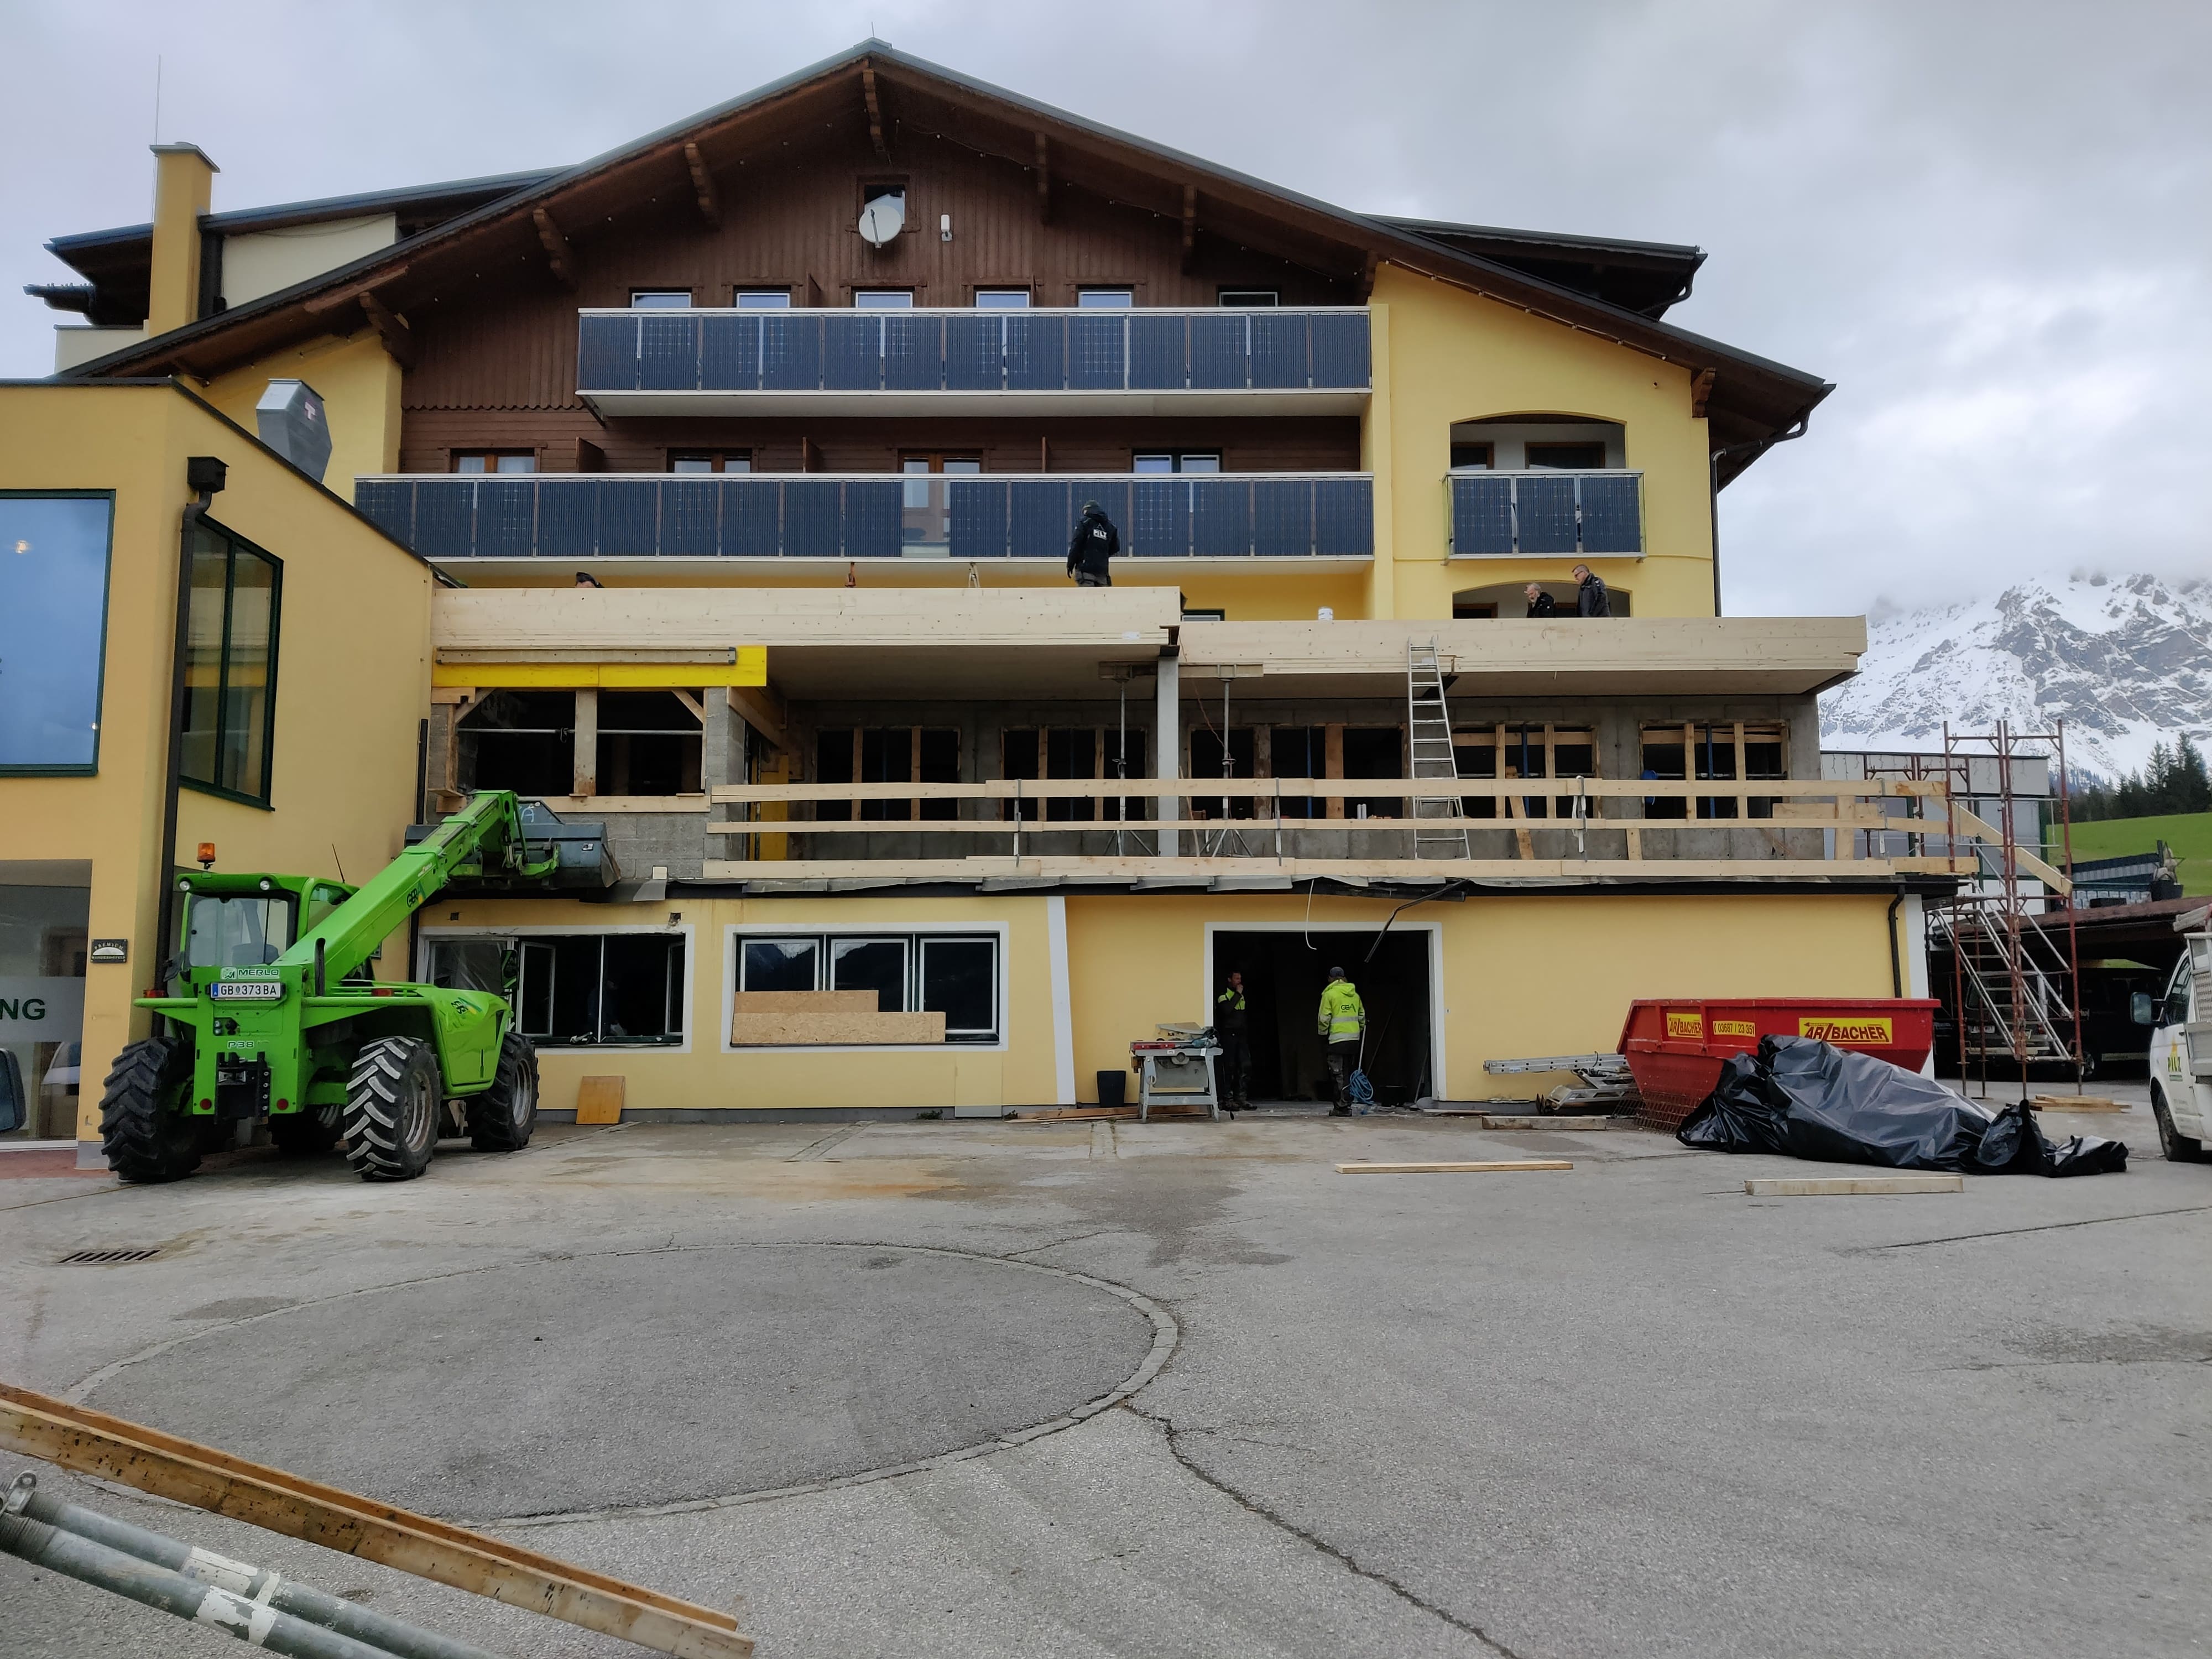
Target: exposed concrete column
1167	746
587	741
184	189
722	754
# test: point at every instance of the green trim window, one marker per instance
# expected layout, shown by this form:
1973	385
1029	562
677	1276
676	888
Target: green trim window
53	627
230	665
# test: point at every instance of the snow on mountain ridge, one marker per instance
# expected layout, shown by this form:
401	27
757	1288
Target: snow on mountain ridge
2126	662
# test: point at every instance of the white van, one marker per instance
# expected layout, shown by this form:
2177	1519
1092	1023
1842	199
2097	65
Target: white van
2181	1052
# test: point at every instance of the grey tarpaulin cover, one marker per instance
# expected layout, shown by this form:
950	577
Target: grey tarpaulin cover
1807	1099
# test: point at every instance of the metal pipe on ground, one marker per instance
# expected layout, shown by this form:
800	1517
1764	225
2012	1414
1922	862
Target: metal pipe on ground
209	1589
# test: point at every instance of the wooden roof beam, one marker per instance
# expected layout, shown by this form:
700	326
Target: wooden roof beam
559	258
398	339
1701	391
703	184
875	112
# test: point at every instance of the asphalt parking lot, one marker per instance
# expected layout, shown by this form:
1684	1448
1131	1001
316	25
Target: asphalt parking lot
800	1370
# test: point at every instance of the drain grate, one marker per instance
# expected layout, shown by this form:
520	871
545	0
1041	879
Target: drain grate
108	1258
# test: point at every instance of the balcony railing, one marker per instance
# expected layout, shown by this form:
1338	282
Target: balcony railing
1500	514
1276	830
811	515
1314	360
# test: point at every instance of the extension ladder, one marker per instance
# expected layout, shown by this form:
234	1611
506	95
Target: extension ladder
1428	737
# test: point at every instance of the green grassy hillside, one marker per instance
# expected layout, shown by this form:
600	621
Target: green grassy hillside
2190	835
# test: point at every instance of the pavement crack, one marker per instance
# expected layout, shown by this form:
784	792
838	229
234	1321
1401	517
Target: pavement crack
1055	1244
2010	1232
1173	1435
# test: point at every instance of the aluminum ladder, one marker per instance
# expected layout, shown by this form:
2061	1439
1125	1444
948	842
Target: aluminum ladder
1428	735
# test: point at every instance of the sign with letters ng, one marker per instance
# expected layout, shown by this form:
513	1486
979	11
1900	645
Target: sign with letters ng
41	1010
1845	1028
1685	1025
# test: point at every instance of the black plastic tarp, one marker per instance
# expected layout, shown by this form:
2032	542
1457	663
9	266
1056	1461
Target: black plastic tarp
1805	1099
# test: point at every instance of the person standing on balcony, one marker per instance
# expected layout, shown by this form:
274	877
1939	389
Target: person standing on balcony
1233	1030
1540	603
1591	598
1343	1022
1095	542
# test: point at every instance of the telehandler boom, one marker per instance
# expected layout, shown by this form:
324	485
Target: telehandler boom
276	1016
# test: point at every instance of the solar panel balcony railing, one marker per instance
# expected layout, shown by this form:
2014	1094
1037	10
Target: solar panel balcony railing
1307	360
811	515
1580	514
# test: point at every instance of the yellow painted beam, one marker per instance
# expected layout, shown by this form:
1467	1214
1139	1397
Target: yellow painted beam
750	669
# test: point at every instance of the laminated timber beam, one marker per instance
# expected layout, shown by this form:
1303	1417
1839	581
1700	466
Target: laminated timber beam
559	258
1550	871
702	185
875	107
398	339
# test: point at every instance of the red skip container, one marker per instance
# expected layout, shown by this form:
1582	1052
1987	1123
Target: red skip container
1675	1045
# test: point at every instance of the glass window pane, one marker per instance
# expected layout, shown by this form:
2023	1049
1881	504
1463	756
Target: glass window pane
963	467
1002	299
883	299
517	464
242	756
1091	299
534	1006
1152	464
53	612
470	964
742	463
871	964
960	979
226	930
1200	463
203	637
659	299
468	463
634	1001
763	299
690	463
779	964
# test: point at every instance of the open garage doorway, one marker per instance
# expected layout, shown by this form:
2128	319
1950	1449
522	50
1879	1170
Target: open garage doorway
1283	979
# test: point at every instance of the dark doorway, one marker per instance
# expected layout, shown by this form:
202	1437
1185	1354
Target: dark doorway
1283	979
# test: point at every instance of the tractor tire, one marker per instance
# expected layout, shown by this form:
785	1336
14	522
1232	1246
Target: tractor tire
143	1132
305	1133
2176	1147
394	1103
502	1116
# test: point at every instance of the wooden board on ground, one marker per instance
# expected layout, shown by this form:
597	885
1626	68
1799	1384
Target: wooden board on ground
1850	1186
2076	1104
832	1029
111	1449
599	1100
1488	1166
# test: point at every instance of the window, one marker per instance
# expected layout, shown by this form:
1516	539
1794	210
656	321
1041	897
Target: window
1205	761
1730	750
1249	296
575	990
710	460
524	741
1476	456
761	299
650	743
1474	610
1373	751
1105	299
882	299
956	975
1002	299
1568	457
1300	751
1185	460
495	460
661	299
237	930
1526	751
53	629
230	665
896	754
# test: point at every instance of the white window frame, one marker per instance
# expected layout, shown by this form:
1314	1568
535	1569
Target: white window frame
734	935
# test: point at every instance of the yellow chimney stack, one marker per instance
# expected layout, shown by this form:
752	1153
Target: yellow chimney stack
183	188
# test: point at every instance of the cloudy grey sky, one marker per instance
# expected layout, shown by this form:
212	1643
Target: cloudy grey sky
1990	224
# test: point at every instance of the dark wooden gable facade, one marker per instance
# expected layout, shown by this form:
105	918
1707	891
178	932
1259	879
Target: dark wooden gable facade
497	365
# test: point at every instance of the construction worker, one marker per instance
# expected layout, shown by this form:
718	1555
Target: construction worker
1095	542
1231	1029
1592	598
1540	603
1342	1022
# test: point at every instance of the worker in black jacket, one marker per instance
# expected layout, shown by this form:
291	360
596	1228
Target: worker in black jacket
1591	598
1232	1030
1541	604
1094	543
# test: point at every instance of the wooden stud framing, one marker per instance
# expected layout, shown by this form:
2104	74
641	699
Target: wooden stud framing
702	185
559	258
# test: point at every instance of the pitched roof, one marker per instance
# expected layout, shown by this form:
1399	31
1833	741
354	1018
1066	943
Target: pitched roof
1579	281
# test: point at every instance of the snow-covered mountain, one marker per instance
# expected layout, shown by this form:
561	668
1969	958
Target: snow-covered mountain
2124	660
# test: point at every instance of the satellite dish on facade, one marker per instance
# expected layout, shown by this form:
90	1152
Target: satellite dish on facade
883	218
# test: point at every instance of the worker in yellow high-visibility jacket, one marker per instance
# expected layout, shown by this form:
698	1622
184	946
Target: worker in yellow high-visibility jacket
1342	1022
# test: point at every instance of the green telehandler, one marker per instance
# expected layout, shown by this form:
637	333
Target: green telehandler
279	1017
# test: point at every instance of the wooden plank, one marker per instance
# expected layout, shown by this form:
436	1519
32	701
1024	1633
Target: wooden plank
2057	880
1850	1186
1479	1166
1263	789
835	1029
803	1002
559	258
1079	826
599	1100
702	187
2076	1104
132	1454
762	708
